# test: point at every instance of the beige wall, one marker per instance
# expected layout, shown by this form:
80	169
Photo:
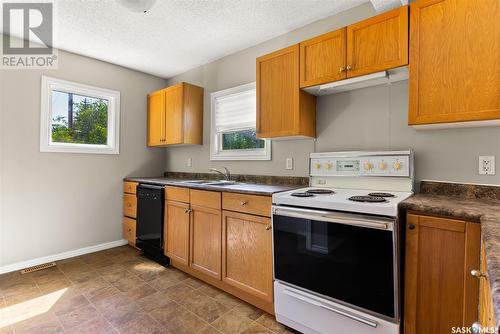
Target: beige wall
56	202
371	118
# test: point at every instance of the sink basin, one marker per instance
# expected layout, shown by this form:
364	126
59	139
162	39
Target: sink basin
199	181
221	183
210	182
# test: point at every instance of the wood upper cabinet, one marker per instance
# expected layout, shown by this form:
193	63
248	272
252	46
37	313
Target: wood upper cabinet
156	114
454	61
282	108
175	115
378	43
247	253
177	231
440	292
486	310
323	58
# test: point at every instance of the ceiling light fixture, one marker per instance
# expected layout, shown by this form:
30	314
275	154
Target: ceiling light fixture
138	6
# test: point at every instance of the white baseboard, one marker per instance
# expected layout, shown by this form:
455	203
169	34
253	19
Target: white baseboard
61	256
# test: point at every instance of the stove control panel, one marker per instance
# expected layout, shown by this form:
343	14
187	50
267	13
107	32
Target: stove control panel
383	165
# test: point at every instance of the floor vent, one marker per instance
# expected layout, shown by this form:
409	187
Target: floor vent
37	268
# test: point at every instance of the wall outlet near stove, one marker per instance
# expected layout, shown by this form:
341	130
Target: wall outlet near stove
289	163
487	165
190	162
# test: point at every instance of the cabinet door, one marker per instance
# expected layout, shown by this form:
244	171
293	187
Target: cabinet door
174	124
156	118
440	292
277	93
206	248
454	61
177	230
323	59
246	253
378	43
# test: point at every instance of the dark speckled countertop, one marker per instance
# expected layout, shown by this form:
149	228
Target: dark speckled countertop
244	184
474	203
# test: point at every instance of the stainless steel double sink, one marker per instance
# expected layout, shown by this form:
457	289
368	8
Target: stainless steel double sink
211	182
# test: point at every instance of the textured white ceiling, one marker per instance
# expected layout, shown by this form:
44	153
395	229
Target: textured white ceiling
177	35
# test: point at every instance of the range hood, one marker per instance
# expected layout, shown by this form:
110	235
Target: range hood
369	80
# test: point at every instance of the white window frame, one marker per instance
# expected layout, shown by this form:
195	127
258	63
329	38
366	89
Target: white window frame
216	152
50	84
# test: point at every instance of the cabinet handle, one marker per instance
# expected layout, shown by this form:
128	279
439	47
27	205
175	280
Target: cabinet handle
349	68
244	203
477	273
342	69
268	227
187	211
411	226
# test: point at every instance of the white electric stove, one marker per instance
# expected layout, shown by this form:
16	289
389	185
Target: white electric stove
336	244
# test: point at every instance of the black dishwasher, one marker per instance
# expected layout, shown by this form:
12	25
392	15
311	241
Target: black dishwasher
149	230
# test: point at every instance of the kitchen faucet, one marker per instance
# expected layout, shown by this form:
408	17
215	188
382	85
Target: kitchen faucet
226	174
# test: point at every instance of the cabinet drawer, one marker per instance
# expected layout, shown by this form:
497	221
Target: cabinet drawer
130	187
129	230
207	199
129	205
177	194
253	204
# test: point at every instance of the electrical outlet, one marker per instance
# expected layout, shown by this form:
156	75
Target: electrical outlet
289	163
487	165
190	162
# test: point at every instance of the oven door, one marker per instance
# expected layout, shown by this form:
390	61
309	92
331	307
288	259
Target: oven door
348	258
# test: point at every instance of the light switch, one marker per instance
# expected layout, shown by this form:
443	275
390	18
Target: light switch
289	163
190	162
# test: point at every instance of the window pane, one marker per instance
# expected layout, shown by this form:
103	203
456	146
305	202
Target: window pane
241	140
79	119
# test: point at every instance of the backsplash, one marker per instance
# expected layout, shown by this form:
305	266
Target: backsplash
262	179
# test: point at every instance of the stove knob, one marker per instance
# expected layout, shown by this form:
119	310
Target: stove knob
368	166
398	165
382	166
317	165
328	165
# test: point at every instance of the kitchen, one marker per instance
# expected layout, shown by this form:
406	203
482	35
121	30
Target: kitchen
374	120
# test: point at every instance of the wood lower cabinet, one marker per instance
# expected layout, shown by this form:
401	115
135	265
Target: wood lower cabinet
227	249
129	226
486	310
206	245
283	110
247	253
378	43
130	205
454	61
177	231
175	115
440	291
323	58
129	211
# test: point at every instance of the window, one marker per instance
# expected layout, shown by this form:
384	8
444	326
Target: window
233	134
77	118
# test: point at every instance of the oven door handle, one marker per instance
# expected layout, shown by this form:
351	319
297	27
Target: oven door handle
347	314
332	218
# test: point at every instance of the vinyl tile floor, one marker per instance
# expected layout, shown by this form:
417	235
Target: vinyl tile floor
120	291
